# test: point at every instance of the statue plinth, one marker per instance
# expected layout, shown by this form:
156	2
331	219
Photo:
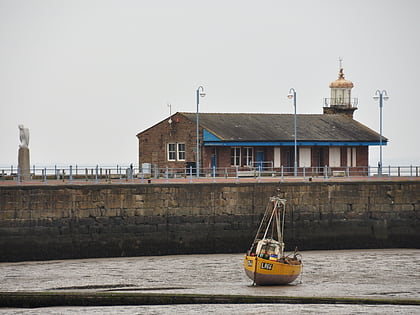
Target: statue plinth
23	163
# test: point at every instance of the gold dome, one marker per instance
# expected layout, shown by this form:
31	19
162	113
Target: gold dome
341	82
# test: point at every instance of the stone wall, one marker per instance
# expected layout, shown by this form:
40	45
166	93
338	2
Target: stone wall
81	221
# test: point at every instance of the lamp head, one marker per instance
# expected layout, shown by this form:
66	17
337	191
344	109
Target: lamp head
379	94
202	94
290	95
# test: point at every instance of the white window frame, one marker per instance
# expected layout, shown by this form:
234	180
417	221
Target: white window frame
174	149
171	150
249	156
234	157
180	154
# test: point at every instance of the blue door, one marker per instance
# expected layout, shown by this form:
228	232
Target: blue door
260	159
213	161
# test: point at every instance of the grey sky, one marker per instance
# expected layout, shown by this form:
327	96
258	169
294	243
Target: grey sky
86	76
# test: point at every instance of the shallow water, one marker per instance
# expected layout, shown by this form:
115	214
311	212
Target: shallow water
391	273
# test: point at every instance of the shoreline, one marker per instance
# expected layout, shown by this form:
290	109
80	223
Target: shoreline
53	299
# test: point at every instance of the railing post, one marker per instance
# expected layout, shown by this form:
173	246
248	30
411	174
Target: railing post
44	175
326	172
282	173
71	174
190	173
214	173
304	173
237	175
96	174
166	174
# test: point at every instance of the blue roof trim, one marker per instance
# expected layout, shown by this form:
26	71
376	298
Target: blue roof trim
208	136
218	142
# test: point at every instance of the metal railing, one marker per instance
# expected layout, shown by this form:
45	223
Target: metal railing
132	174
339	101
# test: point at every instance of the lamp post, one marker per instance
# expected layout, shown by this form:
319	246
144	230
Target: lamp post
292	94
199	93
381	96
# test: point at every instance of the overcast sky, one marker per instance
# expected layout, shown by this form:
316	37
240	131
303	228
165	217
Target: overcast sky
86	76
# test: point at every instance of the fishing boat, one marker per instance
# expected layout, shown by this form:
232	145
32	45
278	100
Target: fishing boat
265	262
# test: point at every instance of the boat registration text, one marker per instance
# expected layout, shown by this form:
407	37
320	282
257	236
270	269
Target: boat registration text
266	266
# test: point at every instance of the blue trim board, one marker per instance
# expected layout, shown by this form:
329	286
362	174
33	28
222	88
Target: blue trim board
208	136
288	143
209	139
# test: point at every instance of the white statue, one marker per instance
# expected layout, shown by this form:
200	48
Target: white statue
23	136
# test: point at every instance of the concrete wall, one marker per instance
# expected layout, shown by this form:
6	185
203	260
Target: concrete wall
72	221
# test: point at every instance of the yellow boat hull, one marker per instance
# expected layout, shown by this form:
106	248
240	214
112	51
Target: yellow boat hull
269	272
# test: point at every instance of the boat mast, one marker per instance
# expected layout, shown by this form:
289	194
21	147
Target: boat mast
280	216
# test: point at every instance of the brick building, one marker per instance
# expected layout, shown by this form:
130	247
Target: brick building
249	141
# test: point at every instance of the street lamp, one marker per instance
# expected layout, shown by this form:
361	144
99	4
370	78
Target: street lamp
381	96
292	94
199	93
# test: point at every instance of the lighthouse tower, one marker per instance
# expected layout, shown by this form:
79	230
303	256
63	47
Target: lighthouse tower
340	101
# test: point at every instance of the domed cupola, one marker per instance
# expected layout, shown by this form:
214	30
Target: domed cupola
341	83
340	101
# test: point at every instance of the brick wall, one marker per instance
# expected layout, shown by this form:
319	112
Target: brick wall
153	142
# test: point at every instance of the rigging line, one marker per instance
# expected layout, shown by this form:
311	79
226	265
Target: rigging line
262	222
283	214
268	225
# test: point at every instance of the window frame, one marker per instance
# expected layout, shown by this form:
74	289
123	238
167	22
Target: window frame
234	157
171	151
176	151
179	151
248	158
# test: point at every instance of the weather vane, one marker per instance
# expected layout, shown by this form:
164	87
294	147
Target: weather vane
341	62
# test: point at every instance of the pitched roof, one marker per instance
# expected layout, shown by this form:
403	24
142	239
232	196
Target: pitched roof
279	127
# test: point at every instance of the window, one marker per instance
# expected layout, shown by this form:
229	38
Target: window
176	151
235	156
335	159
351	157
277	157
181	151
171	151
304	157
249	156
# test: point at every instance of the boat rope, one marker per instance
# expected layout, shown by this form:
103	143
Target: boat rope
264	219
268	225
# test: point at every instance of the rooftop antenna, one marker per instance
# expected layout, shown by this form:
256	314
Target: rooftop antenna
170	113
